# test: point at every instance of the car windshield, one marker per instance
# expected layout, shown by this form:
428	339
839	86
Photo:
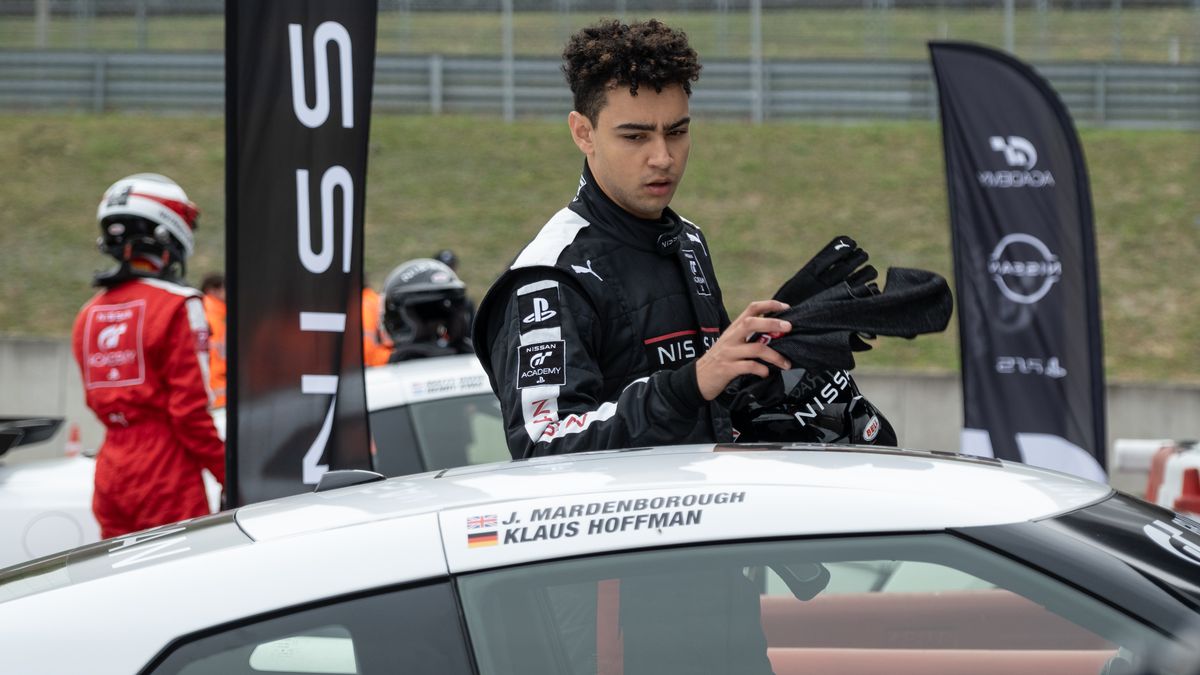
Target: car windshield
1163	546
930	603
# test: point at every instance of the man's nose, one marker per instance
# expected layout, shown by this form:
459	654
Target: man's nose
660	154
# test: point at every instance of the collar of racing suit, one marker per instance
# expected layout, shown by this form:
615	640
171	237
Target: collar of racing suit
661	236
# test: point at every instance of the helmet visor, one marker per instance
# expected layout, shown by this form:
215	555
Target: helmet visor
436	306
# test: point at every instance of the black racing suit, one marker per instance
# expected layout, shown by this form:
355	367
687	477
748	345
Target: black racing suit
590	340
590	337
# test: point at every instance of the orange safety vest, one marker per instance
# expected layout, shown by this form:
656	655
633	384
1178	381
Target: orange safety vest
377	347
214	311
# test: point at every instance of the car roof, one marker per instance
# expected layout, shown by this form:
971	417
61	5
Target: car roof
306	548
397	384
780	490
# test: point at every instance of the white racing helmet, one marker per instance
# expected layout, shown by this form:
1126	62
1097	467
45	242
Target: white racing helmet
147	213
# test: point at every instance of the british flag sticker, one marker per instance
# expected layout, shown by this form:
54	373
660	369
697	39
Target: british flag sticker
476	538
480	522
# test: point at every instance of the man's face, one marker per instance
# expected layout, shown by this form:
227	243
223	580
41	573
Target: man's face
638	147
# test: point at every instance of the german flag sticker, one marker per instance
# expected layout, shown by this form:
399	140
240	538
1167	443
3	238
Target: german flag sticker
480	539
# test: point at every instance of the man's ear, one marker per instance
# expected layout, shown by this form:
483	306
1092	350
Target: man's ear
582	132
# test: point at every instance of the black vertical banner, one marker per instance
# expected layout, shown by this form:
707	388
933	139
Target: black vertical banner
298	87
1024	262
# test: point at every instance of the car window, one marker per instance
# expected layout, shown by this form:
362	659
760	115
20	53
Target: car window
459	431
790	607
414	631
393	442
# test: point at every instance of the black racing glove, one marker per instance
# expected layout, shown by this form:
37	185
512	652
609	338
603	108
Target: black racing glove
839	261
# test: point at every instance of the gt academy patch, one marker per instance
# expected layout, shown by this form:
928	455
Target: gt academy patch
539	309
541	364
113	353
696	272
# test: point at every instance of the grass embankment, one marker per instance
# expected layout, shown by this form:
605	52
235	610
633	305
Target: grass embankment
767	196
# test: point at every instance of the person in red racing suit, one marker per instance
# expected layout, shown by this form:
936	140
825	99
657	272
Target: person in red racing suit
142	348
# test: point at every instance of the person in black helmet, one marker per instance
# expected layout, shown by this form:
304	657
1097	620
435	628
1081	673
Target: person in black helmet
447	258
425	311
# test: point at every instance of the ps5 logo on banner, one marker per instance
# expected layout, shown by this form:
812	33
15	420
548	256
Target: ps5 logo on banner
334	179
1019	365
1024	268
1021	157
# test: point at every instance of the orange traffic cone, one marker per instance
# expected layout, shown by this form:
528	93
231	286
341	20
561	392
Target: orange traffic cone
74	446
1189	501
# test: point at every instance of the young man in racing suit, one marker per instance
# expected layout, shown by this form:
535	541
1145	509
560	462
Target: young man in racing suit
608	331
142	348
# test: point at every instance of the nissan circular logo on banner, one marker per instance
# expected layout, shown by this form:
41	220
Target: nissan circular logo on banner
1024	268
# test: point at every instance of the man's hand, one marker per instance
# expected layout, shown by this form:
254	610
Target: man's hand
732	355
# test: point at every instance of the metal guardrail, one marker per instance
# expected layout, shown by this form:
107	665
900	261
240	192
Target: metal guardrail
1098	94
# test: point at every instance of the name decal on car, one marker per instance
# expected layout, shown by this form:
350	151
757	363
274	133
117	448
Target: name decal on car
599	518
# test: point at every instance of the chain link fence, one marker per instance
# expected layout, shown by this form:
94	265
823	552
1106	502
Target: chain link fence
1111	31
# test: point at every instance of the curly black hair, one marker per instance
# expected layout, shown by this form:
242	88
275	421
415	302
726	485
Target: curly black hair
610	52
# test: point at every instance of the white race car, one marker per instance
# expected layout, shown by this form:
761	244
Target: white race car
691	560
424	415
46	505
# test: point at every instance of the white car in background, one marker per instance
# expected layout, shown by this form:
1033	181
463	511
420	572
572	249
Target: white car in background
45	505
430	414
424	414
691	560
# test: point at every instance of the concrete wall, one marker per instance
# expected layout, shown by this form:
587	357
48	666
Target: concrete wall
38	376
926	411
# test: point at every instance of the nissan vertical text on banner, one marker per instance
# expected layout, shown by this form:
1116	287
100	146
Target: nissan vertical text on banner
1024	262
298	89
